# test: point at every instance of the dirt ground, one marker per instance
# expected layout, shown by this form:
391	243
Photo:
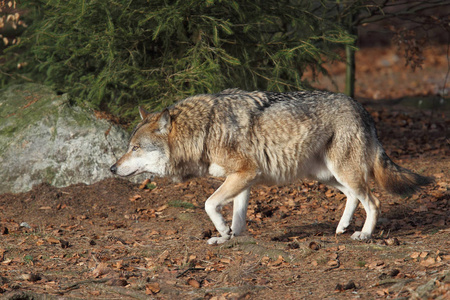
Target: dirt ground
117	240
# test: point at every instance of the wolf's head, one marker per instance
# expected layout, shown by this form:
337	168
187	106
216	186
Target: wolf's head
148	150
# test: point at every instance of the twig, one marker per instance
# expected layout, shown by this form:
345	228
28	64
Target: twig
189	269
87	281
129	293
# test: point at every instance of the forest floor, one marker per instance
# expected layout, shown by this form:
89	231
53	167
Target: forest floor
118	240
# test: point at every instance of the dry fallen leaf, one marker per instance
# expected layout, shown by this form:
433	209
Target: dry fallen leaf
161	208
278	262
332	263
333	255
144	183
52	240
428	262
154	232
376	265
221	297
194	283
118	264
163	256
152	288
171	232
135	197
95	293
101	269
225	260
383	292
207	283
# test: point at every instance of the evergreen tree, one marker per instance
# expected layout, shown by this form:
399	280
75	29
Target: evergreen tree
119	53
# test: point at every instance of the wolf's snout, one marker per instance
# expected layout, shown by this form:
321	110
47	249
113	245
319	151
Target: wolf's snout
113	169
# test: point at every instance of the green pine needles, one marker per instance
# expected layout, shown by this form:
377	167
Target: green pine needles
119	53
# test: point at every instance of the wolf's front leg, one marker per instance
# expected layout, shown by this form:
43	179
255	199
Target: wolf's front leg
235	186
240	204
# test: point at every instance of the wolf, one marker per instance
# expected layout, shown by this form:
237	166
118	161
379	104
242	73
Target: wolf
268	138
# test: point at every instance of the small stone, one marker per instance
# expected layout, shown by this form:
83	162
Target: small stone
349	286
64	244
25	224
392	242
31	277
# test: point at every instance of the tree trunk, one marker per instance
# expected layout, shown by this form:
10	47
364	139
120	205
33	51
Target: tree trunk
350	59
350	71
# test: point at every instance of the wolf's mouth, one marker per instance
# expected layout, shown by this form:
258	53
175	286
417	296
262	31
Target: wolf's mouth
131	174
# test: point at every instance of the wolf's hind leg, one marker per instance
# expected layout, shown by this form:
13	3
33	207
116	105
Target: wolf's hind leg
350	205
372	207
235	185
356	188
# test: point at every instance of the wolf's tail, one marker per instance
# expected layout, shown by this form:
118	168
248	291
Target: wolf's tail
395	179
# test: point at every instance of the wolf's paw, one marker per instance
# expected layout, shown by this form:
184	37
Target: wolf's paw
340	230
360	236
218	240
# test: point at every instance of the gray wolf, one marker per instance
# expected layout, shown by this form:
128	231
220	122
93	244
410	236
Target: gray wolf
270	138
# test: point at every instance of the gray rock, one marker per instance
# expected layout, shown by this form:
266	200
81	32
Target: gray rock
43	138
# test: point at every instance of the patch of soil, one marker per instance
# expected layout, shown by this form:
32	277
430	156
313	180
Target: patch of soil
116	240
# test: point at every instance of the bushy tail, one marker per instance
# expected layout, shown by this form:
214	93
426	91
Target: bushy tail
395	179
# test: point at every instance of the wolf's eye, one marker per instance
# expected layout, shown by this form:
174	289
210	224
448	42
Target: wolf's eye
134	148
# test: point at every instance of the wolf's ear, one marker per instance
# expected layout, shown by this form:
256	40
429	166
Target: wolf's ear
165	122
143	112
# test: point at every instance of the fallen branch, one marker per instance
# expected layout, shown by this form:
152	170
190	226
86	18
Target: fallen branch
87	281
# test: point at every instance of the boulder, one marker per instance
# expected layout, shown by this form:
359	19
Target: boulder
43	138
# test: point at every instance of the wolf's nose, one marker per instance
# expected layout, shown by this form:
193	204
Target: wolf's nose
113	169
